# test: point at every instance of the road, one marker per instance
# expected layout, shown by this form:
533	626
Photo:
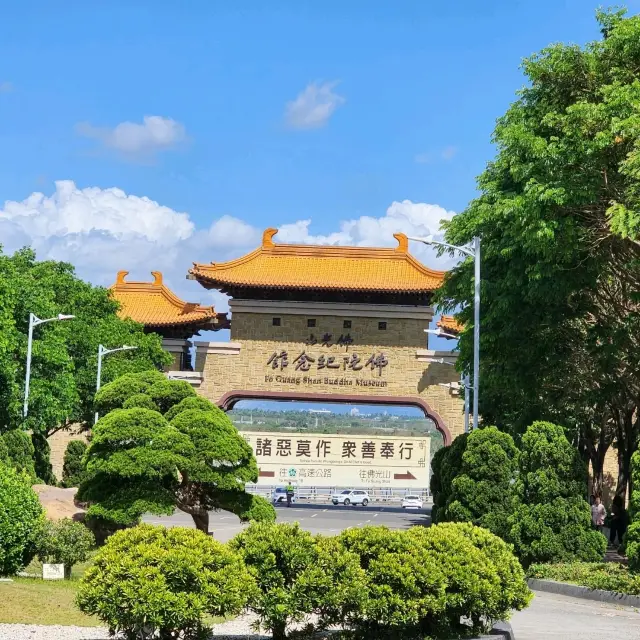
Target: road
327	519
550	616
555	617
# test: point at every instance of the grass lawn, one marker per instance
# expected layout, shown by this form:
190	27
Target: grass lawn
36	601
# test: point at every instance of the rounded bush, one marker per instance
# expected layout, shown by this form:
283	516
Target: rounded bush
151	581
21	451
558	531
632	537
298	576
64	542
21	517
114	394
4	452
166	393
194	402
140	401
445	467
73	470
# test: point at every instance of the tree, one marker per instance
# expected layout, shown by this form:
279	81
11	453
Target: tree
20	452
73	469
557	214
445	466
64	542
552	520
64	357
21	517
632	537
483	491
139	462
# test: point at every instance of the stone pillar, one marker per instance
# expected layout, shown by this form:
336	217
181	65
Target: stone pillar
179	350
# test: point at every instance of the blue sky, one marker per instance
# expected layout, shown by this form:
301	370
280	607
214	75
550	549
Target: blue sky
406	97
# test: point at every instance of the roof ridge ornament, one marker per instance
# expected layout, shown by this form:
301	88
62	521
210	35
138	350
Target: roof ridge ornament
267	237
157	278
403	242
120	276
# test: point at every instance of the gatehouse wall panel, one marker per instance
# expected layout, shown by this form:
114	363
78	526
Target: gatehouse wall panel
397	356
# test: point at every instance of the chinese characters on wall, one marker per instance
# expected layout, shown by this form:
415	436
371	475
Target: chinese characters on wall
304	362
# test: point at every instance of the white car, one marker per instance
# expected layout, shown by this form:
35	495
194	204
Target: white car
351	497
412	502
280	495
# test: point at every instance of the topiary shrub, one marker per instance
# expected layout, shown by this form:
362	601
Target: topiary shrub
64	542
42	459
73	469
140	401
167	393
632	537
193	402
299	576
21	517
445	465
114	394
483	492
4	452
149	582
20	449
552	520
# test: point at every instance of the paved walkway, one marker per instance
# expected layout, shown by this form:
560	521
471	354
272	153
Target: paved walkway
555	617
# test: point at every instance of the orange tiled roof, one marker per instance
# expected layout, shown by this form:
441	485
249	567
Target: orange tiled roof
449	324
154	305
293	266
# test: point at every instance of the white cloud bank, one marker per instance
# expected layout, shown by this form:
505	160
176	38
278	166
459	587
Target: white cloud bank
313	106
102	231
135	140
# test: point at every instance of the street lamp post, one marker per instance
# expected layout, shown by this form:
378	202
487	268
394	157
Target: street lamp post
34	321
102	351
474	252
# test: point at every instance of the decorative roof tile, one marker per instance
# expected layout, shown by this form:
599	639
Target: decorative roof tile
293	266
154	305
450	325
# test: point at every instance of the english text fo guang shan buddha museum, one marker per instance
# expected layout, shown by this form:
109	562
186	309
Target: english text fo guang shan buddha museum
310	323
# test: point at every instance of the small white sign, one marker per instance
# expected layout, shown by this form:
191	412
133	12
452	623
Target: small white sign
53	572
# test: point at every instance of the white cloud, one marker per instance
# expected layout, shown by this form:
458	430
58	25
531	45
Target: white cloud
102	231
6	87
314	106
135	140
449	152
446	153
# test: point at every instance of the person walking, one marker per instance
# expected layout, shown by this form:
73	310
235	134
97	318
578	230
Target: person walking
598	513
290	492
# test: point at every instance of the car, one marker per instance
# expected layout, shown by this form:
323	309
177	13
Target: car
351	496
280	495
412	501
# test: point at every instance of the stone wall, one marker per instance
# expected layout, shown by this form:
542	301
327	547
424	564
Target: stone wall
398	360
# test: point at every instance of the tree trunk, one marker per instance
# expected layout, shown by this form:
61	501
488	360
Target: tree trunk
626	444
201	520
279	631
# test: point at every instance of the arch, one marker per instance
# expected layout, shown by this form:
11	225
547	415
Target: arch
229	399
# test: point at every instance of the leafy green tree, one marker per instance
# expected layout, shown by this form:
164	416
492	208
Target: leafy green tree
632	537
483	491
64	542
445	466
42	459
557	215
139	462
20	452
152	582
299	576
73	469
21	517
64	358
552	520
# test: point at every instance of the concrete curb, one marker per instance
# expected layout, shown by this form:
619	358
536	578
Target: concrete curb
576	591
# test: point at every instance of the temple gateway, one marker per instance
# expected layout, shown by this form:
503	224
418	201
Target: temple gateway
311	323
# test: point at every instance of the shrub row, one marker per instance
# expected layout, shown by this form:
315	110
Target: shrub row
532	497
448	580
609	576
